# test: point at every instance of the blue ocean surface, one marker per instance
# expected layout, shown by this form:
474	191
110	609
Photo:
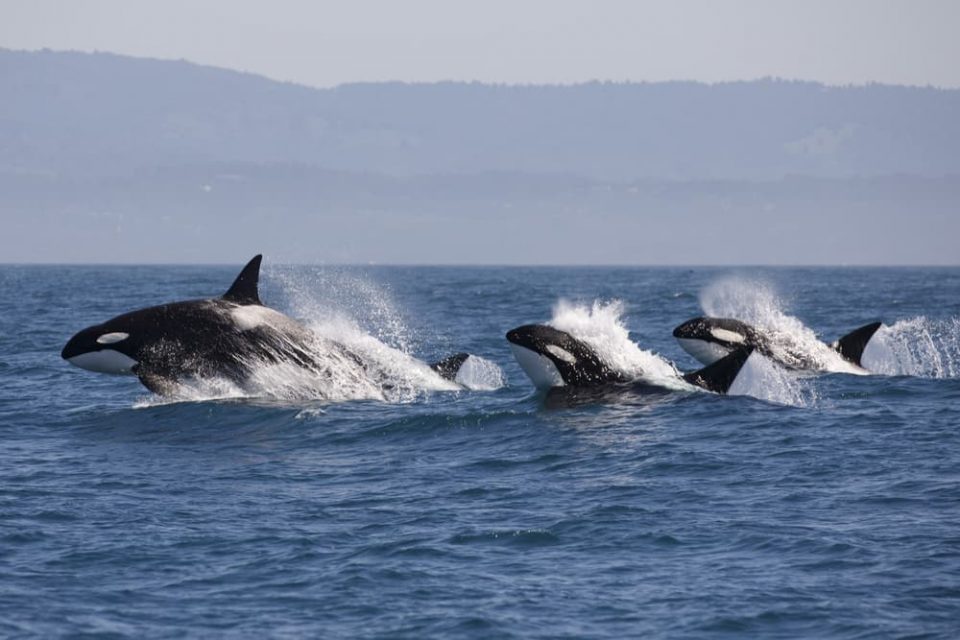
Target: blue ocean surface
816	506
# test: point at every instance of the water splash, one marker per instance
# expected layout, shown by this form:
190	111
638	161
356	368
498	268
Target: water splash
601	326
756	303
752	301
322	294
196	390
916	347
480	374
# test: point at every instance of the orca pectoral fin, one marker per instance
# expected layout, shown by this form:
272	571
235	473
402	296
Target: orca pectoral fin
158	384
851	346
244	289
719	376
450	366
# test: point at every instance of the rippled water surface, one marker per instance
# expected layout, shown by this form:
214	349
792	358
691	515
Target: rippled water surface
819	506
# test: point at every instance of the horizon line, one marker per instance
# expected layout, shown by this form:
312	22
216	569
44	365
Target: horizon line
518	85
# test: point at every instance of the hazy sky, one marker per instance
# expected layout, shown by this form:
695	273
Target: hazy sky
514	41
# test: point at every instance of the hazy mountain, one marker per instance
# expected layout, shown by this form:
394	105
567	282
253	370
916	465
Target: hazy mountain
107	158
102	114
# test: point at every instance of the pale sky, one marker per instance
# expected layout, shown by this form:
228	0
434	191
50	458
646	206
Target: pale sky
323	43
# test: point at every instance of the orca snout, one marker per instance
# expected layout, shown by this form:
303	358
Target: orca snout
537	337
95	349
692	328
532	346
81	342
522	336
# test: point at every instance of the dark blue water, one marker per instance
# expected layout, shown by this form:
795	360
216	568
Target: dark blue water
830	509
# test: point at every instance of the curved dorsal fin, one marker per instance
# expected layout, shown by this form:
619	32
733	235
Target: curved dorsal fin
449	367
851	346
720	376
244	288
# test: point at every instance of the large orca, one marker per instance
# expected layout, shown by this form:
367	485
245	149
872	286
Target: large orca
710	339
554	358
225	337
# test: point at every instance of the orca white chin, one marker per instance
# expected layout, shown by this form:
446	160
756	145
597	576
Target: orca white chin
541	371
704	351
104	361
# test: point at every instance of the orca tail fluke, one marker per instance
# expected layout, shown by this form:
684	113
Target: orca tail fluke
719	376
449	367
851	346
245	289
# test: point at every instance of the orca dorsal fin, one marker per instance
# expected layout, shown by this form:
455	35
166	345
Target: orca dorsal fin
244	288
449	367
719	376
851	346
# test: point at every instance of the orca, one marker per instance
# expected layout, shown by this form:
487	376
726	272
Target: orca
553	358
225	337
710	339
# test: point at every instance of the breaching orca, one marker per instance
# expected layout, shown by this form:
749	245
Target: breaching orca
710	339
223	337
554	358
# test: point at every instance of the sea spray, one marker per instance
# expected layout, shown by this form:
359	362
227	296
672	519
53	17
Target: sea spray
321	294
916	347
480	374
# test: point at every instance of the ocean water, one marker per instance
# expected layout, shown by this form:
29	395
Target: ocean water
823	506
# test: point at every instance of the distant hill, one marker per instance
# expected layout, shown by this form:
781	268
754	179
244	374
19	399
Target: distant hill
106	158
104	114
